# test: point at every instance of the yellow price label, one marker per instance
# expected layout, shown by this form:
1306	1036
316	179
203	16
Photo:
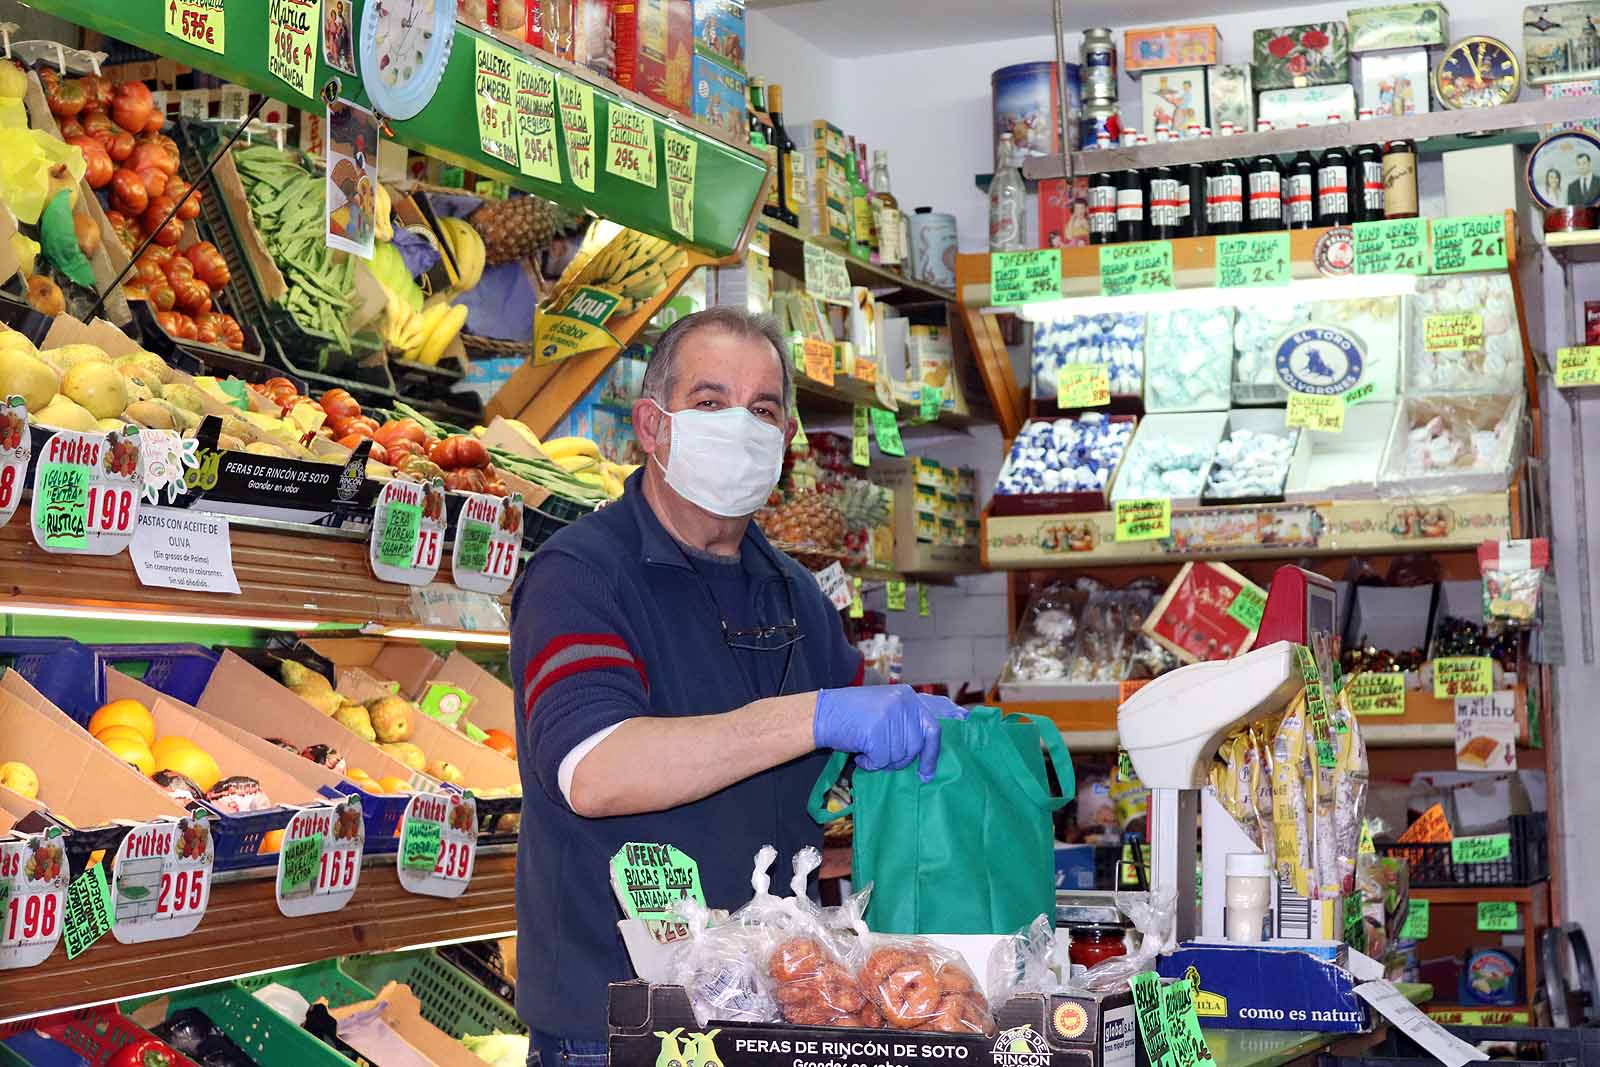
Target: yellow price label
1083	385
866	370
1448	333
1577	366
1377	693
1316	412
1463	676
857	610
1143	520
818	355
197	22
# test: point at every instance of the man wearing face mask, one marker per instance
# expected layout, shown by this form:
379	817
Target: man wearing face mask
678	676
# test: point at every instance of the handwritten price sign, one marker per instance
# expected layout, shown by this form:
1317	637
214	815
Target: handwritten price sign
1453	332
198	22
1463	676
682	156
291	42
631	145
1574	367
536	120
1083	385
1143	520
1136	268
1314	412
492	86
1253	259
576	104
1396	246
1023	277
1474	242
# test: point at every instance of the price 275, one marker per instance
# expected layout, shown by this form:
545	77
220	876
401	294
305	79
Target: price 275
502	560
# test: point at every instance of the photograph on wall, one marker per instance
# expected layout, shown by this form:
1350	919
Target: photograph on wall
352	155
337	33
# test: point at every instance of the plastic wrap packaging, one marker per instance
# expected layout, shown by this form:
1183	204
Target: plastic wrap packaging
1450	305
1024	963
1188	359
1350	790
1256	332
1455	435
1115	340
1291	826
810	981
1250	464
1154	915
1042	650
718	963
916	985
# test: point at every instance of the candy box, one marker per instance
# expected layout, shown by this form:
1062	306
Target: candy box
1232	95
1115	340
719	31
1174	98
1464	335
718	96
1286	57
1188	358
1251	463
655	46
1373	29
1394	83
1164	47
1191	619
1342	465
1284	108
1063	465
1453	442
1170	457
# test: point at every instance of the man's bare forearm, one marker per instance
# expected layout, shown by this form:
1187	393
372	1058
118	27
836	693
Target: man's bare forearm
651	764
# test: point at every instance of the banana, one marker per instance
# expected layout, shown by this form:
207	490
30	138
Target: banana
612	484
441	335
466	245
383	226
426	322
558	447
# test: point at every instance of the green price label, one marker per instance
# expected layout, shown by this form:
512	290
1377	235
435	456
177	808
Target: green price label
1473	242
236	391
398	544
1247	260
1415	928
445	702
1394	246
473	733
419	844
61	504
652	879
887	431
1486	848
1360	393
1143	520
857	610
1083	385
1183	1025
1147	1007
922	601
1577	366
1497	916
895	591
932	402
475	538
1023	277
1125	771
1136	268
1247	607
860	444
1463	676
299	864
1377	693
89	913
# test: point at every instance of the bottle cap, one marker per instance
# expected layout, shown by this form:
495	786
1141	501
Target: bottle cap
1247	865
1302	125
1263	125
1364	113
1334	116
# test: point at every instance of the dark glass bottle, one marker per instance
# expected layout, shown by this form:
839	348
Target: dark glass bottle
1130	198
1226	199
1333	184
1102	200
1265	180
1163	190
1299	188
1192	192
1366	175
1399	180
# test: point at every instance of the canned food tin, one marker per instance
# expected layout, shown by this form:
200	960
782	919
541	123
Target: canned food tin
1099	57
1028	105
1098	119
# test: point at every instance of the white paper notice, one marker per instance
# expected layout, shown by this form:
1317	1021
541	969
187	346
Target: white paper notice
835	586
177	549
1486	732
1389	1002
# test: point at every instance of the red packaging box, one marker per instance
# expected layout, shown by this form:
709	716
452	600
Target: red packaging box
655	49
1063	213
1591	322
1193	620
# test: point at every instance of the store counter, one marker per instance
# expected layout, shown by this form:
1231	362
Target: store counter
1274	1048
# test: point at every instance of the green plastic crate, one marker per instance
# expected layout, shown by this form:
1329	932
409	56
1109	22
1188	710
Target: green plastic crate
263	1034
314	981
451	1000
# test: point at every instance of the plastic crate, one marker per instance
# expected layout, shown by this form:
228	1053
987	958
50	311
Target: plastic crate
380	816
1529	862
58	667
451	1000
315	981
180	671
95	1034
263	1034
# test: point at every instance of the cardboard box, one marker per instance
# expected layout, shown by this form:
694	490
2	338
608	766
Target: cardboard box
1477	412
380	660
1312	105
719	96
390	1029
917	546
655	43
493	704
1373	29
719	32
1246	988
1168	47
1316	53
1395	82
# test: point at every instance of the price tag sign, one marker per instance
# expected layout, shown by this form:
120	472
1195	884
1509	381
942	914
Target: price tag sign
445	702
493	101
1486	848
1472	242
407	532
1024	277
682	154
33	898
197	22
1143	520
818	355
1252	259
860	443
887	430
1393	246
161	880
488	542
857	609
1453	332
651	880
88	915
834	585
16	448
1183	1024
86	492
1136	268
1083	385
1574	367
1463	676
865	369
1316	412
1377	693
895	594
1247	607
1418	915
631	145
922	601
575	102
174	548
535	103
445	827
1147	1000
292	42
1497	916
826	275
319	866
932	402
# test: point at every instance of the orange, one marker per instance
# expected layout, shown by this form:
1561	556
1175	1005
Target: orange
193	763
271	841
127	733
133	751
125	713
502	743
394	785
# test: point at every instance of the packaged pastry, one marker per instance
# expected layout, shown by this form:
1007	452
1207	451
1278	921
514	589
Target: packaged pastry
1290	824
916	985
1042	649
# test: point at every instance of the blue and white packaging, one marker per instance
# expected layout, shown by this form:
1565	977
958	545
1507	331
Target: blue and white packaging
1250	987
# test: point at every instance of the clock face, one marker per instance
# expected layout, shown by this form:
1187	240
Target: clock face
1477	72
405	45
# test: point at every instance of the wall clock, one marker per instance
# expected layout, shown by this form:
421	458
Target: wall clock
405	45
1477	72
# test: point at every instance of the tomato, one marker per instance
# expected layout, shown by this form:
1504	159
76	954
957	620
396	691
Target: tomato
338	402
149	154
351	440
402	429
466	479
120	147
157	210
124	229
211	268
460	450
132	106
98	167
188	208
160	293
128	192
363	423
65	98
404	446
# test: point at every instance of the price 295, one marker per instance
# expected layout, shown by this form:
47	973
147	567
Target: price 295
181	892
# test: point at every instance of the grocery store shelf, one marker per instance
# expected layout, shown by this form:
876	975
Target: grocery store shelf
1576	246
787	249
1526	894
243	933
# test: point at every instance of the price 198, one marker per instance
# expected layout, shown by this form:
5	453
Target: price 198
32	917
110	510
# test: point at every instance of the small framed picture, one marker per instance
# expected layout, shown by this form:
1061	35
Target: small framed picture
1564	170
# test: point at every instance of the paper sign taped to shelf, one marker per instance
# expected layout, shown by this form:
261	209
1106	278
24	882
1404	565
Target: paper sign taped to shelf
1577	366
407	532
1418	914
1452	332
575	100
1083	385
922	601
894	592
1462	676
1393	246
1316	412
161	880
492	100
651	880
1128	269
1377	693
34	874
1252	259
1183	1024
683	154
860	443
631	145
535	105
1024	277
1486	732
1143	520
1431	827
177	549
292	27
446	607
1389	1002
1147	1000
488	543
319	865
1485	848
16	447
835	586
86	492
88	914
887	430
1497	916
1469	243
1247	607
197	22
817	355
444	826
827	277
445	702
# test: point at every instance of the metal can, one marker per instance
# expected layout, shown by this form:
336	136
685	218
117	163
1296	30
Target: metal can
933	247
1099	66
1029	105
1098	119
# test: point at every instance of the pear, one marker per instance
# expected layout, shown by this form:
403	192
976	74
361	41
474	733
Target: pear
354	717
392	718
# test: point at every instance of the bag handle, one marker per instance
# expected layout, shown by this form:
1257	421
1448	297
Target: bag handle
818	804
1056	753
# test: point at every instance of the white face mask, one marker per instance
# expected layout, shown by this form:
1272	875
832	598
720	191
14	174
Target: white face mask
724	461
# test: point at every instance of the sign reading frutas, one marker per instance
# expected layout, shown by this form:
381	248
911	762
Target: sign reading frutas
86	492
1394	246
575	100
407	532
319	865
1377	693
1023	277
444	826
161	880
631	145
682	154
651	880
197	22
1253	259
492	102
33	898
1470	243
292	42
16	447
1143	520
1136	268
535	101
1463	676
576	327
488	540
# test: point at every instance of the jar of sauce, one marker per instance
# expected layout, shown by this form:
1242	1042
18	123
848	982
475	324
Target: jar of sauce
1091	944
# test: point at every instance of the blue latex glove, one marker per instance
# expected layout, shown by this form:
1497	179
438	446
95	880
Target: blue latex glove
888	727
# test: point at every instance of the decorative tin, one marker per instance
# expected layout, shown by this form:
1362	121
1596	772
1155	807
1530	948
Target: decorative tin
1477	72
1566	90
1287	57
1167	47
1027	105
1312	105
1561	41
1099	55
1098	119
933	247
1232	96
1174	98
1373	29
1394	83
1564	170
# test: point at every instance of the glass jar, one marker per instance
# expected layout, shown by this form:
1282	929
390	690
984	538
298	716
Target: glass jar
1091	944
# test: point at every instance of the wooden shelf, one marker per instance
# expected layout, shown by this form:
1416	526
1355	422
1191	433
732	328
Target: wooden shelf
1576	246
243	933
787	250
1526	894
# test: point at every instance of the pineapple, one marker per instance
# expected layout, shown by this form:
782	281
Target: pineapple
516	228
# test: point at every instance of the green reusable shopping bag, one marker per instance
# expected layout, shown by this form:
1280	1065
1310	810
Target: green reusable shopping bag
971	852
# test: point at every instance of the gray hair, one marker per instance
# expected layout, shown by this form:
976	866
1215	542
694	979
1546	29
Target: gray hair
660	376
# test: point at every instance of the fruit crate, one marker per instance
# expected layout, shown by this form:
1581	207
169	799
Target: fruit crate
87	1036
451	999
212	357
178	670
324	980
265	1036
1433	868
